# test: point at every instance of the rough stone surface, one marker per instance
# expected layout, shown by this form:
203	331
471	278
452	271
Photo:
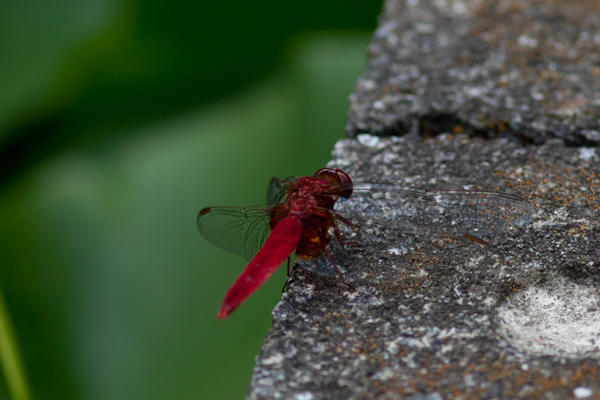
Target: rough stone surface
516	319
528	68
492	95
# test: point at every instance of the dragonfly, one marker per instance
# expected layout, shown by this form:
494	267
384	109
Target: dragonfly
304	214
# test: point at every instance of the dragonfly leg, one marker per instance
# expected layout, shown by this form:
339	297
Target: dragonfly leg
285	284
338	235
475	239
337	270
345	220
485	244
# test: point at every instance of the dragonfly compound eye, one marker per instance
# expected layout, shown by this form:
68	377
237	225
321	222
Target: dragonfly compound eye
339	178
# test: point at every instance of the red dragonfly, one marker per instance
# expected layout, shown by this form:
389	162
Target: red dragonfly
300	216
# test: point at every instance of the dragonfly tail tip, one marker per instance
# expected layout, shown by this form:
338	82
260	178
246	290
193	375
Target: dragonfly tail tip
224	312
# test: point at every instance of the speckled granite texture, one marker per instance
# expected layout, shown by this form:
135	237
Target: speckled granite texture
495	95
518	319
524	67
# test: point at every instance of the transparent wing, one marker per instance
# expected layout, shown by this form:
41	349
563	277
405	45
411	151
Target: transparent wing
352	222
278	189
239	230
410	209
425	220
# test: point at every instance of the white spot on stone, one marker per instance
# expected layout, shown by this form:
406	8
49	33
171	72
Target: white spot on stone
582	392
559	319
367	84
266	382
537	95
470	380
473	91
304	396
395	251
274	359
459	8
392	346
587	153
424	28
306	293
379	105
490	301
447	333
558	218
368	140
386	29
526	41
384	375
591	134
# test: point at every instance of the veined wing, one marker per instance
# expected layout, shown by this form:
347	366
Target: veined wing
471	212
278	189
367	231
239	230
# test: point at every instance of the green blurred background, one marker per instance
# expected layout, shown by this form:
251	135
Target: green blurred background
119	120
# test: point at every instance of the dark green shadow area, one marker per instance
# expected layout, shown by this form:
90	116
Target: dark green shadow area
75	73
112	290
119	121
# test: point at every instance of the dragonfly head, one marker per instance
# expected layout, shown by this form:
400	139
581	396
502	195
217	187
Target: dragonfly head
339	178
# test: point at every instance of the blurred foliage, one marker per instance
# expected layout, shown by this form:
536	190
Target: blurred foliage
119	120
